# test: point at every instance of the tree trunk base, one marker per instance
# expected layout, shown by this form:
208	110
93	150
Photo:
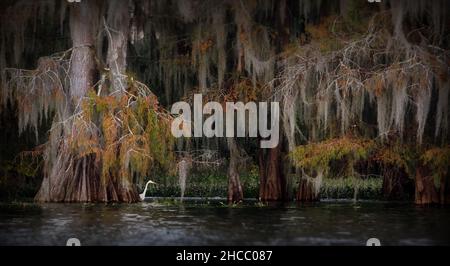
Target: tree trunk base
235	193
426	192
272	185
309	187
78	180
306	192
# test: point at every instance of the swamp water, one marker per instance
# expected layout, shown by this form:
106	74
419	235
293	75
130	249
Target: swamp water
193	222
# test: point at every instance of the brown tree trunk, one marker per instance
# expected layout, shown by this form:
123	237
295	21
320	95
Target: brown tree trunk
305	192
235	193
262	173
426	192
272	185
66	179
444	190
309	187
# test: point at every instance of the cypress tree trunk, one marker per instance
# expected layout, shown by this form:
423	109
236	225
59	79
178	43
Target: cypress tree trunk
272	181
235	193
83	29
305	192
118	30
309	186
426	192
70	178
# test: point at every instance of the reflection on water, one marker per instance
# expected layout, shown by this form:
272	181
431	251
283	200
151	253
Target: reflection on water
325	223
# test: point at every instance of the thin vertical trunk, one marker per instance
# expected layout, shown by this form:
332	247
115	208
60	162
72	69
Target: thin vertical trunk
262	173
235	193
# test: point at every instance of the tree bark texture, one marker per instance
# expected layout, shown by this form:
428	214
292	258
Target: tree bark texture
235	193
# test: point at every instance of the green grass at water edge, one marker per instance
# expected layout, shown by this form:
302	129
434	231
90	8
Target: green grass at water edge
217	186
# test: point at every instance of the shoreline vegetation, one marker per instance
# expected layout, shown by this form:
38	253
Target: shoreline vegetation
215	186
210	187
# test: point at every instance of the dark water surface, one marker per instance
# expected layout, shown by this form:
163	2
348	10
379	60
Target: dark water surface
153	223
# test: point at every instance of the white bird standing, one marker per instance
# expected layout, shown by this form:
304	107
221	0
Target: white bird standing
142	195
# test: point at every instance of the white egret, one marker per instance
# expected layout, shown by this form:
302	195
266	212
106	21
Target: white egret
142	195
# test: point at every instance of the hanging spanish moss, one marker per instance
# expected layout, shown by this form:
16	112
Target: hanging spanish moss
354	82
